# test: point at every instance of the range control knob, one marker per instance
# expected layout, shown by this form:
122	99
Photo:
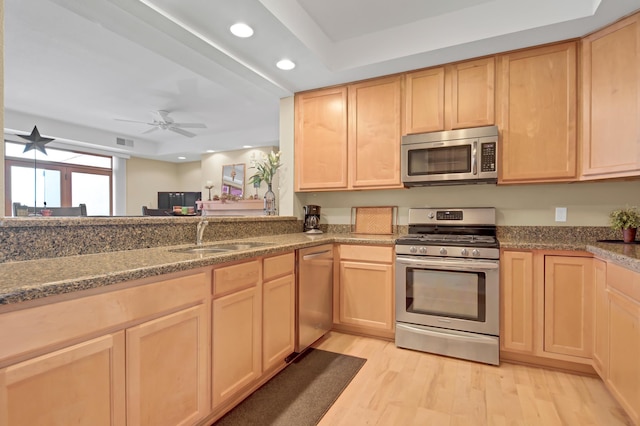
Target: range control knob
443	251
430	215
475	252
423	250
464	252
413	249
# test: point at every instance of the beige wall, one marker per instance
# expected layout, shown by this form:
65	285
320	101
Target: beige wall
145	178
212	169
588	204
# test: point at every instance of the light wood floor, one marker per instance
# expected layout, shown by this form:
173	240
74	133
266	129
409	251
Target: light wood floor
403	387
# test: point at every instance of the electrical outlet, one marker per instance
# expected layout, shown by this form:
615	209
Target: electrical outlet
561	214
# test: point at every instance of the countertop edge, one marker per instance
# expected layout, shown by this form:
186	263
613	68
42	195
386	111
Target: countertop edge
167	262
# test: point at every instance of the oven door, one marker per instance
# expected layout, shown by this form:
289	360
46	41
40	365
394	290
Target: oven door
456	294
440	161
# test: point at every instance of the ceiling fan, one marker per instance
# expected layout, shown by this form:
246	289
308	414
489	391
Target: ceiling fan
164	122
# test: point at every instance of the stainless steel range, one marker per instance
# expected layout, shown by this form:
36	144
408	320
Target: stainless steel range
447	283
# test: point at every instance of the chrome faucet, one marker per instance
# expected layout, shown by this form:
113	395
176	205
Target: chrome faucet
200	231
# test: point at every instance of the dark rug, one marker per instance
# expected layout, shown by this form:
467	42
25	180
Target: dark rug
300	394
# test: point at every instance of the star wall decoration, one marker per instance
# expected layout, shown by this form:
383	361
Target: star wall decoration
37	141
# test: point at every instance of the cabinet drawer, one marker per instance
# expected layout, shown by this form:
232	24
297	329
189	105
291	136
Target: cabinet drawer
624	280
368	253
38	328
278	265
236	277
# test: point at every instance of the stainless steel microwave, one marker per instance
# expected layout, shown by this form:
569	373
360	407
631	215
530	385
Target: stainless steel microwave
451	157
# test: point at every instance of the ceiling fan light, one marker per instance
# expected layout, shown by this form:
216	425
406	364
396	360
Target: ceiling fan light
286	64
241	30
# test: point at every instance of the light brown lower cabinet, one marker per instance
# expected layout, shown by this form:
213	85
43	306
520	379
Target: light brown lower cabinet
364	292
253	326
568	298
546	305
81	384
516	288
600	360
237	339
168	368
278	310
61	364
623	332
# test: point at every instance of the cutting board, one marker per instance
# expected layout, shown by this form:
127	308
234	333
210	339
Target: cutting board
379	220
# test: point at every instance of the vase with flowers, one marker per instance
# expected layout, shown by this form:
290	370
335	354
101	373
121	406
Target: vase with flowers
627	220
265	171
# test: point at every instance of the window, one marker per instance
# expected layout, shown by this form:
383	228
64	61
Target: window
60	179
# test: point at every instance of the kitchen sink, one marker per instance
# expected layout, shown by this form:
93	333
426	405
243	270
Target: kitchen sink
220	248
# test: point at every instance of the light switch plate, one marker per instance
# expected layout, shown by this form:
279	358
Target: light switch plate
561	214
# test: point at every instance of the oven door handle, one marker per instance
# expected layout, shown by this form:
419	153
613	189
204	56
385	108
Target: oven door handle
449	264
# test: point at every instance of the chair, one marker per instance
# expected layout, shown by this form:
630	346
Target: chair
81	210
22	210
155	212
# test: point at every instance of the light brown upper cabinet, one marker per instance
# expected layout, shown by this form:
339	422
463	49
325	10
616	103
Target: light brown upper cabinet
348	137
321	139
424	99
450	97
611	101
375	109
537	114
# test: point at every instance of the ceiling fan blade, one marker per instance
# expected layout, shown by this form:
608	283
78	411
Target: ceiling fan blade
190	125
132	121
182	132
153	129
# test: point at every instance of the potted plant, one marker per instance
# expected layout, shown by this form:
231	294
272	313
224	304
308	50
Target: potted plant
265	171
628	220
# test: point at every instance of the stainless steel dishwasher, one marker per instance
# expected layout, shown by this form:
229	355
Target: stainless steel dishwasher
314	307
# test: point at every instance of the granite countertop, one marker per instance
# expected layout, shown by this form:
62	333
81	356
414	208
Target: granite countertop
33	279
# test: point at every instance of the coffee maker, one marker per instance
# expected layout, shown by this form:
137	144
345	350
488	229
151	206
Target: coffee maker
312	219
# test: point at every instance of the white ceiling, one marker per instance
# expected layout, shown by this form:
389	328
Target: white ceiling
73	67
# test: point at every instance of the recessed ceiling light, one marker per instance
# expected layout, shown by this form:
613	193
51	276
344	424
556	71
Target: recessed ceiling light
247	146
210	150
241	30
182	158
285	64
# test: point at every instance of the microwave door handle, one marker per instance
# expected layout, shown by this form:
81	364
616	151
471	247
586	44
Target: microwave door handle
474	158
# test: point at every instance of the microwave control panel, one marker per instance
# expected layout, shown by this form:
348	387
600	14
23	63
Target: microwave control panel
488	159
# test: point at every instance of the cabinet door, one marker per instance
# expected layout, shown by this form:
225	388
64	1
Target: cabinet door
236	342
611	101
568	298
472	92
321	139
278	324
516	286
375	133
167	369
79	385
624	346
537	101
424	101
366	295
600	319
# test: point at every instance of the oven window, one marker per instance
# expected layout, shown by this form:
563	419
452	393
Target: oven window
439	161
446	293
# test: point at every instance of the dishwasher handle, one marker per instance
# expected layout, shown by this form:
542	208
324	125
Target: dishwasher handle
314	255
